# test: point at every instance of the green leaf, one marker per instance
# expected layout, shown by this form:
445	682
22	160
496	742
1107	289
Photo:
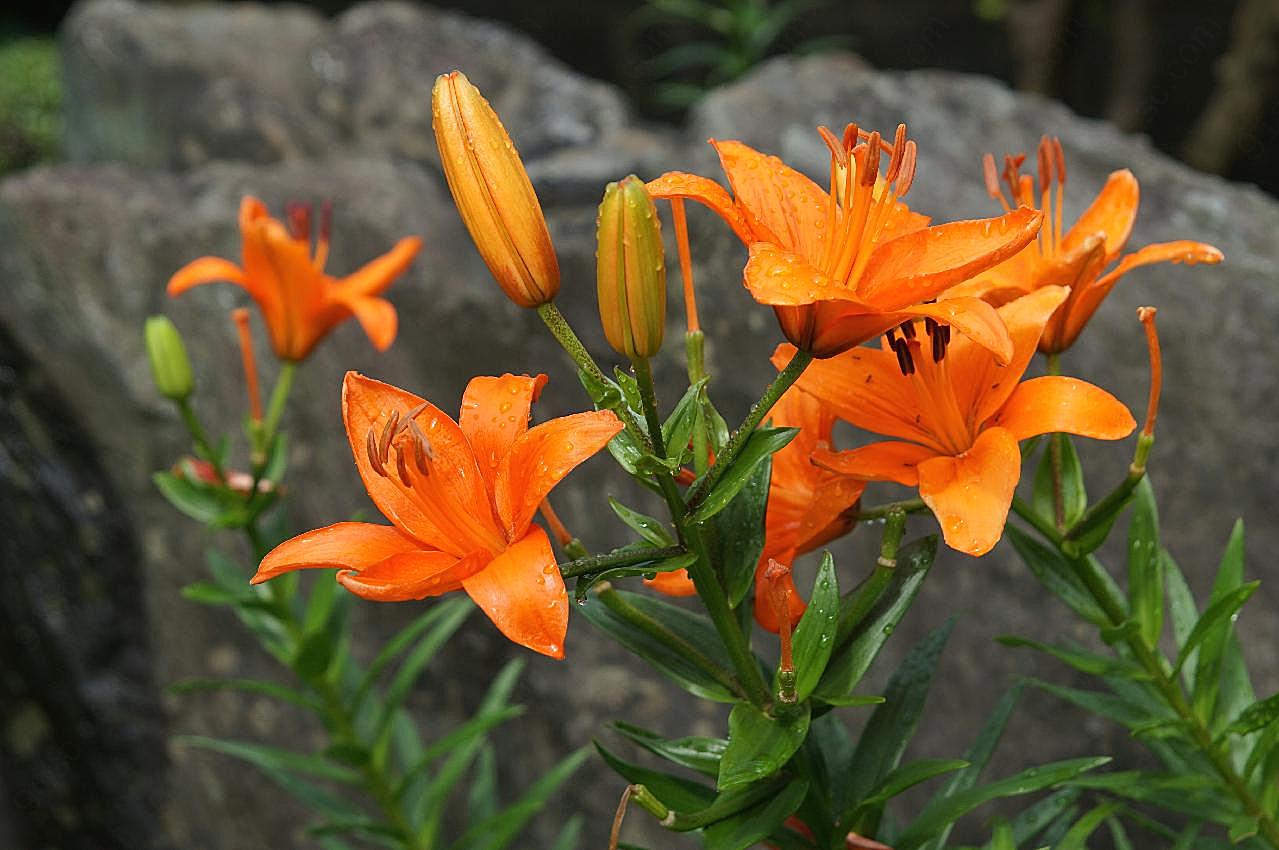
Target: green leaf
678	428
1080	659
939	813
1041	815
569	835
205	503
500	830
675	791
850	662
740	533
700	754
1193	794
582	587
624	448
442	615
759	447
1145	577
650	528
1182	612
1002	836
1100	703
891	725
274	758
677	643
1257	716
1074	498
1213	644
471	731
760	745
324	594
319	646
1077	836
1222	611
814	637
1055	573
248	686
748	828
908	776
1244	826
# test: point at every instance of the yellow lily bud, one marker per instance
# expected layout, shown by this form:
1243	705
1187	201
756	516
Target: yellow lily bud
631	270
493	193
169	364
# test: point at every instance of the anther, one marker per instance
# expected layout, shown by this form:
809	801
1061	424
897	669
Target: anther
375	457
401	466
871	171
326	219
891	337
907	175
1044	162
1059	160
904	360
939	346
388	434
413	414
908	329
897	152
851	133
421	449
299	215
992	177
837	149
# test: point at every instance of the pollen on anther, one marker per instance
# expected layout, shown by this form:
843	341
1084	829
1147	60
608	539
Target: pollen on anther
402	467
375	457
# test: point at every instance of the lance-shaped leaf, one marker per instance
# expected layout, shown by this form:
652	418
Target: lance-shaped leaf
1213	646
1054	572
748	828
759	447
1070	474
740	532
814	637
1221	612
1145	573
1081	659
675	791
650	528
758	744
698	753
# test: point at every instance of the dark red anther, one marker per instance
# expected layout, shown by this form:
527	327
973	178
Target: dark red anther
326	220
908	329
388	433
904	361
299	216
939	346
402	467
1044	163
375	457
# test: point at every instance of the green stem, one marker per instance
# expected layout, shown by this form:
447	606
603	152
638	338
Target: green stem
861	600
1043	526
758	411
695	352
619	558
648	398
196	430
1059	496
279	396
906	506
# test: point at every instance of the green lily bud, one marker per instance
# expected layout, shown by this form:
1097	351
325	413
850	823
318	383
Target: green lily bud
169	364
631	270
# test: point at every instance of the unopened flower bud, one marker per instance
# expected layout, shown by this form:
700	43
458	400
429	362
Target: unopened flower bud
169	364
493	193
631	270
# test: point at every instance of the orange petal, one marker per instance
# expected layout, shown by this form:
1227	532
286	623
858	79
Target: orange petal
454	514
251	209
976	321
802	410
376	315
1088	296
766	588
204	270
1067	405
783	206
921	265
679	184
542	456
375	276
981	384
783	278
413	575
354	545
829	513
1111	214
495	412
886	461
673	583
864	386
522	592
971	493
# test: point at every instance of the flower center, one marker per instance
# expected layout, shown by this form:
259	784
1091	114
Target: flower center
298	214
415	470
1051	168
940	412
862	200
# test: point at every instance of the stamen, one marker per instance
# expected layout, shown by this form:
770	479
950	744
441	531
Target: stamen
939	346
1045	166
1147	317
422	452
779	593
838	149
240	316
908	329
561	532
904	360
326	228
907	176
299	216
388	433
992	181
375	456
413	414
871	170
897	152
851	134
1059	160
1012	175
401	466
685	263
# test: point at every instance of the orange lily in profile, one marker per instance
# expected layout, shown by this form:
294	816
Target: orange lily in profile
1078	257
461	498
807	506
958	418
283	271
844	266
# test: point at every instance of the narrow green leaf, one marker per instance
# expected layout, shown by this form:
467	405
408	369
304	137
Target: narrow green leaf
472	730
1042	814
274	758
892	724
1183	613
1054	572
319	649
414	663
568	837
582	587
759	745
761	445
740	533
752	826
500	830
1266	743
1145	578
1259	715
321	799
1075	499
675	791
908	776
1077	836
320	605
1002	837
814	637
1118	834
938	813
650	528
1080	659
1102	704
678	428
700	754
1223	611
1244	826
1213	645
249	686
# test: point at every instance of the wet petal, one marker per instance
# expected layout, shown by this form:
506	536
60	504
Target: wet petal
921	265
522	592
783	278
413	575
886	461
495	412
829	513
673	583
1055	404
205	270
971	493
679	184
375	276
354	545
782	205
1111	214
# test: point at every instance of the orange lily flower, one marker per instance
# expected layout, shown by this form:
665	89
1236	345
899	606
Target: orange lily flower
283	271
807	506
1078	257
844	266
958	418
461	498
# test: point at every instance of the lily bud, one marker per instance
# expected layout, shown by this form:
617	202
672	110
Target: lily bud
631	270
169	364
493	193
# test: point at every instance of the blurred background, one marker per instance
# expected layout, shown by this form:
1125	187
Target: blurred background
129	131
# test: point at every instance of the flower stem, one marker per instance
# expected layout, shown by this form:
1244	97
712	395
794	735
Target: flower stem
758	411
906	506
279	396
617	558
648	398
196	430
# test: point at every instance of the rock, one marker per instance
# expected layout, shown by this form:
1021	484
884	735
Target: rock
85	251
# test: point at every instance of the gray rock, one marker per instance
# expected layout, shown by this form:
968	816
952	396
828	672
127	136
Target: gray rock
85	252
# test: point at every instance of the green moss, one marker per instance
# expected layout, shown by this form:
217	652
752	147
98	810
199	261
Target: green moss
30	102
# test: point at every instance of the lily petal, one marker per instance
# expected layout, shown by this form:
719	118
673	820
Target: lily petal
456	512
495	412
376	315
887	461
673	583
783	206
522	592
375	276
1111	214
354	545
971	493
1055	403
830	512
413	575
783	278
205	270
921	265
680	184
542	456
